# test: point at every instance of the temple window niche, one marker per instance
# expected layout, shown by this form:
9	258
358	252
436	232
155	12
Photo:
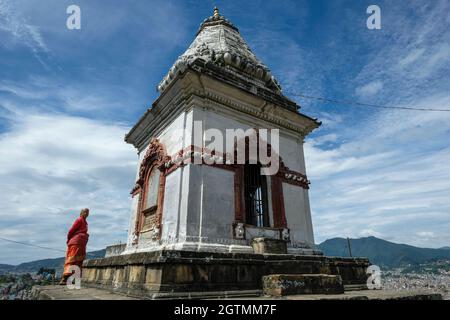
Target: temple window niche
151	198
255	195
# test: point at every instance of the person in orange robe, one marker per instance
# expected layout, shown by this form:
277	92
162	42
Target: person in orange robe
77	239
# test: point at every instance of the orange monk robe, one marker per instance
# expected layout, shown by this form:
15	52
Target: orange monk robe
77	239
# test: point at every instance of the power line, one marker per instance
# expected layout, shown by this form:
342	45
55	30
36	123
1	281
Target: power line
31	245
364	104
37	246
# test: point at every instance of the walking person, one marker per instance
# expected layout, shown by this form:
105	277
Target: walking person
77	239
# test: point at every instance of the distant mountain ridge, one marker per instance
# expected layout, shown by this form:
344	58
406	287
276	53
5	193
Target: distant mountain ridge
379	251
382	252
34	266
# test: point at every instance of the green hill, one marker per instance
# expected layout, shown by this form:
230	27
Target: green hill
6	268
382	252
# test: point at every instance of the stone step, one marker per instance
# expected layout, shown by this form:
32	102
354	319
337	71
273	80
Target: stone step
292	284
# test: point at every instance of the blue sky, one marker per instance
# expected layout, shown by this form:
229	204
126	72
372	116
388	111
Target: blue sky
67	98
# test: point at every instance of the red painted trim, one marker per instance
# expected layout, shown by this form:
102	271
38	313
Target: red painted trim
239	205
159	212
279	215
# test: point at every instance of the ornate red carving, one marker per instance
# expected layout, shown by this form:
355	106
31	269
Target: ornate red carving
154	159
156	154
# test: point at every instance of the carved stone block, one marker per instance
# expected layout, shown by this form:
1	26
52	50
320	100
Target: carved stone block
267	245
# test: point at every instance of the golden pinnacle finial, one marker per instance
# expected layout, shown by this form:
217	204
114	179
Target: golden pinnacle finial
216	12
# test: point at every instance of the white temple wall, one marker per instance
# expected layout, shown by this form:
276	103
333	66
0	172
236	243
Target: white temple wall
195	200
171	206
183	209
175	136
217	203
132	222
291	151
298	214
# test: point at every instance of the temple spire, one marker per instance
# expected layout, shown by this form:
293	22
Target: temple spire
218	42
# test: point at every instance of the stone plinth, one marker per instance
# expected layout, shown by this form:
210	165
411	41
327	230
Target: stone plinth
115	250
291	284
184	274
266	245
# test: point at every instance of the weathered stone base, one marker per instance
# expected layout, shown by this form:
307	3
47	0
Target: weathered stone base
279	285
165	274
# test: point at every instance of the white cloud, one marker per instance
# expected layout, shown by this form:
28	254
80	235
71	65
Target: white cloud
369	89
390	177
411	57
14	24
425	234
370	233
53	165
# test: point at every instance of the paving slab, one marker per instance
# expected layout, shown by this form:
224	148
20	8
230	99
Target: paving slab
63	293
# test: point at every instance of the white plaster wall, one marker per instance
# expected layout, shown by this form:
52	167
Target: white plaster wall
183	208
291	151
173	136
176	136
193	219
132	221
298	214
217	212
171	205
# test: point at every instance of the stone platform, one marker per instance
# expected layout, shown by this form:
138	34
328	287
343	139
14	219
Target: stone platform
184	274
279	285
62	293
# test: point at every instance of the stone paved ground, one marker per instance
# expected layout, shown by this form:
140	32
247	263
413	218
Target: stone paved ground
367	295
62	293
